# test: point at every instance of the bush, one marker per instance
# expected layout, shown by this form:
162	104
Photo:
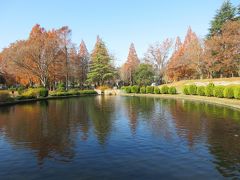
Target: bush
128	89
164	89
30	93
209	89
20	90
192	89
228	92
143	90
61	87
135	89
87	92
149	89
43	92
185	90
201	90
103	88
218	91
156	90
172	90
237	92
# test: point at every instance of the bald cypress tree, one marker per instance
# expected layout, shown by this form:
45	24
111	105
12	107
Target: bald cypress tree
101	70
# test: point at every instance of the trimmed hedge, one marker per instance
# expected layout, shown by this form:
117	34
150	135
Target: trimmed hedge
135	89
228	92
43	92
201	90
149	89
237	92
156	90
164	89
218	91
192	89
172	90
209	89
185	90
143	90
128	89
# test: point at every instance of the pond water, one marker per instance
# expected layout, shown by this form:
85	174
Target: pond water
116	137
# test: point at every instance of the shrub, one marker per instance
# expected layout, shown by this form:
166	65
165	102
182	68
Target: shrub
43	92
20	90
103	88
209	89
201	90
87	92
123	88
192	89
218	91
149	89
30	93
143	90
156	90
185	90
237	92
128	89
61	87
135	89
164	89
228	92
172	90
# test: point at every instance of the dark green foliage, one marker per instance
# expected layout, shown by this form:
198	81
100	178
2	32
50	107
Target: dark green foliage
209	89
201	90
144	75
228	92
237	92
185	90
172	90
61	87
135	89
143	90
164	89
192	89
43	92
156	90
218	91
225	13
149	89
87	92
128	89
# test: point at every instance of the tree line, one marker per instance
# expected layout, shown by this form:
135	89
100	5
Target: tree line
49	57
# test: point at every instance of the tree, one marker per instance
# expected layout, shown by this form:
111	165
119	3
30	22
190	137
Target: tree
83	66
130	66
101	69
227	12
144	74
157	55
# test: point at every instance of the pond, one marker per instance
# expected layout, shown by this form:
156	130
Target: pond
113	137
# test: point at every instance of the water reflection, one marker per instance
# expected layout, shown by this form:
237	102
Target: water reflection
56	129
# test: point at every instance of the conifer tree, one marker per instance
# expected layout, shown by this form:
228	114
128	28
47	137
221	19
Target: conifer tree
101	69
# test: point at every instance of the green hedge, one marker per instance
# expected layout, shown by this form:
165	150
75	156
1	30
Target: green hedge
192	89
128	89
209	89
228	92
156	90
135	89
149	89
164	89
237	92
201	90
218	91
185	90
172	90
143	90
43	92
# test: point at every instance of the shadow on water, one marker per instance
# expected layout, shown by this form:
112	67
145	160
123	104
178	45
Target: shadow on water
54	129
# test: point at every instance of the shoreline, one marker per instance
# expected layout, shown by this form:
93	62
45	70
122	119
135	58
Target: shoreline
42	99
231	103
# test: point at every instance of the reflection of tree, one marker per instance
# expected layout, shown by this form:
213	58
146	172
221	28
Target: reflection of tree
49	128
100	111
218	125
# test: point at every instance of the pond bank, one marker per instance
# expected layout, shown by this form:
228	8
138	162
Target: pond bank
233	103
42	99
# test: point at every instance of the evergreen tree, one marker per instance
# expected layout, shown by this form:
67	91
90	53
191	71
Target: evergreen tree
101	69
225	13
83	68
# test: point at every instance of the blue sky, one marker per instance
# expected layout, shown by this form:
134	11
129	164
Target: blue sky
117	22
